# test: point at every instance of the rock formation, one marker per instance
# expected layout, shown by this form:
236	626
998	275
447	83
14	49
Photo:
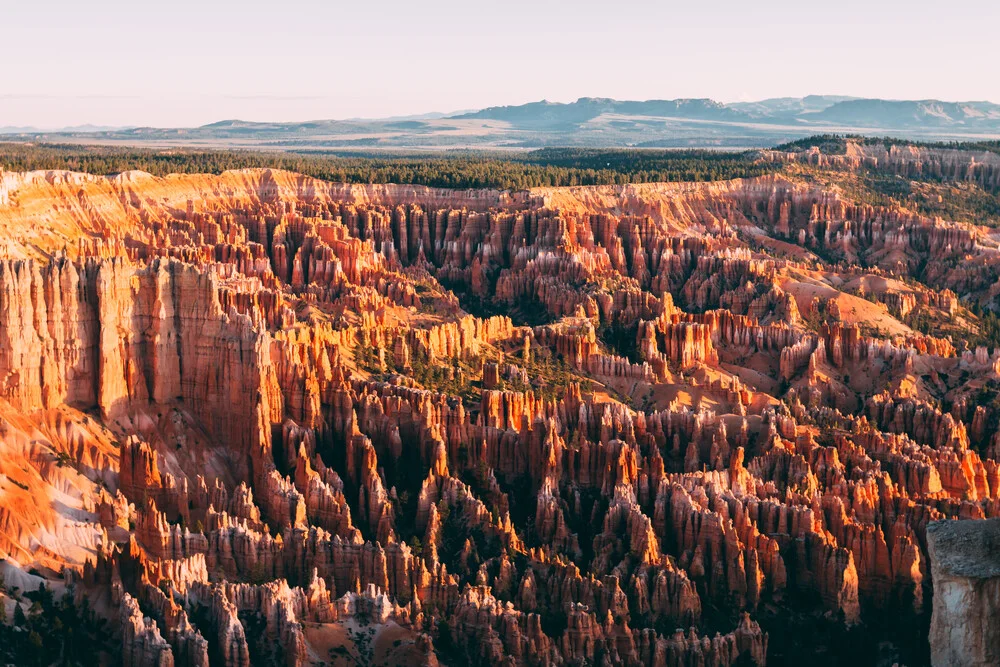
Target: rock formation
261	412
965	566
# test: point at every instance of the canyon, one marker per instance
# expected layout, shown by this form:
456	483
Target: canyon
260	418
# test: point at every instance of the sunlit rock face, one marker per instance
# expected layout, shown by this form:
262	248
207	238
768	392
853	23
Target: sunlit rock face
263	418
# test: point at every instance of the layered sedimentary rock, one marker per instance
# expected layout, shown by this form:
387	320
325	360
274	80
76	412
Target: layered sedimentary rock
909	161
254	408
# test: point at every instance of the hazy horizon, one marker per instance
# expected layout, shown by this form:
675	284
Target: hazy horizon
188	64
431	112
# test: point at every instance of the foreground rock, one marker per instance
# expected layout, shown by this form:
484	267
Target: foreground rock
965	565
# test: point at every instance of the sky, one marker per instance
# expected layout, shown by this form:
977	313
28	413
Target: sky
182	63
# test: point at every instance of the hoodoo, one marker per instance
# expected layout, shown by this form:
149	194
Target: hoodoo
261	418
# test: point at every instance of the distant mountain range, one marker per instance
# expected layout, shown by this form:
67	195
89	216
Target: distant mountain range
589	121
811	110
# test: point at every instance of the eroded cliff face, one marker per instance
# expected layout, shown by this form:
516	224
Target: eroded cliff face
981	167
262	414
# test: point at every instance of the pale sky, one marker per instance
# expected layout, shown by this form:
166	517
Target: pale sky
189	62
